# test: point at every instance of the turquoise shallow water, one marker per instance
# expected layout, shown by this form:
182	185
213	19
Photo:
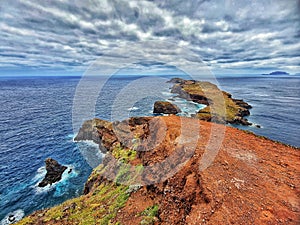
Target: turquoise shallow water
36	123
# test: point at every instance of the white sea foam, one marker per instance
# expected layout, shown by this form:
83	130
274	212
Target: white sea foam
87	142
255	125
73	139
62	186
71	136
133	108
41	172
58	186
167	93
187	107
91	153
13	217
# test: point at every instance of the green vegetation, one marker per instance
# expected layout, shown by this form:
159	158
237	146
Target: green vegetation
223	109
129	174
123	175
26	221
149	215
200	88
99	207
122	154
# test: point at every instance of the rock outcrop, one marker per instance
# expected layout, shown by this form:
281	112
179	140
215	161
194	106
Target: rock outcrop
221	107
54	172
252	180
165	108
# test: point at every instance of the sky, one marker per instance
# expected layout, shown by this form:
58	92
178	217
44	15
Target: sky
228	36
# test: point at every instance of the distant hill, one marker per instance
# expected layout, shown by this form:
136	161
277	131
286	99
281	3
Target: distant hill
277	73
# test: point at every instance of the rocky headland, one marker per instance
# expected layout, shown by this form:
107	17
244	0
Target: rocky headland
221	107
252	180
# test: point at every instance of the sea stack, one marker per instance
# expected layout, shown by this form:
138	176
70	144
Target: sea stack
165	108
54	172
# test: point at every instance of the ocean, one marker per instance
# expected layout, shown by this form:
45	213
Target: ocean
37	123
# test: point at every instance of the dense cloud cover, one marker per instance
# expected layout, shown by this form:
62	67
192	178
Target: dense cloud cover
229	35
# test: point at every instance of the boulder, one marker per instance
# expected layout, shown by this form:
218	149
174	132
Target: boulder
165	108
54	172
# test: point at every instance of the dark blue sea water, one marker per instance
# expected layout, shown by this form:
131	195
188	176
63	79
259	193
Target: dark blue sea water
36	122
276	105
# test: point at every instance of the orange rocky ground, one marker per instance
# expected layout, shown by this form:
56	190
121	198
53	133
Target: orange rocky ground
251	179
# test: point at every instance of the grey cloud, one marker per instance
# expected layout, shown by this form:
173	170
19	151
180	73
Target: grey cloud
226	34
169	32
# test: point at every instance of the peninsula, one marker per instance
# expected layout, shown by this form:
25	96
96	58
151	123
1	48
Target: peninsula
220	106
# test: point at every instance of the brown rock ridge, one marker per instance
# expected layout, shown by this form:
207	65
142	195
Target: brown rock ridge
252	180
221	107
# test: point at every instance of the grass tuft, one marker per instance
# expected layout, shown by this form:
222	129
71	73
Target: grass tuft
149	215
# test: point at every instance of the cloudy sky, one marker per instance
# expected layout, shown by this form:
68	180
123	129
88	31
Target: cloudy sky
229	36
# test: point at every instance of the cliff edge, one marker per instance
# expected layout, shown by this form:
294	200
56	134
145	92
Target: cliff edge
251	180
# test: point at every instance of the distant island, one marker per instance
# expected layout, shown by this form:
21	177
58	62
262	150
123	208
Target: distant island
277	73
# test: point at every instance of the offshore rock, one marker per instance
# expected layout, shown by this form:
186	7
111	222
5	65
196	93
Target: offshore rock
165	108
54	172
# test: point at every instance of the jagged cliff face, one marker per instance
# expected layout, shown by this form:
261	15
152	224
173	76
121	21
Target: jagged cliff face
252	180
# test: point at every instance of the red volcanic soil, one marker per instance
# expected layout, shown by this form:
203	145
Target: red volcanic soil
252	180
201	173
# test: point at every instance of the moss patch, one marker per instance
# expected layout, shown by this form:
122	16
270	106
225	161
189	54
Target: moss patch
123	154
99	207
26	221
222	109
149	215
